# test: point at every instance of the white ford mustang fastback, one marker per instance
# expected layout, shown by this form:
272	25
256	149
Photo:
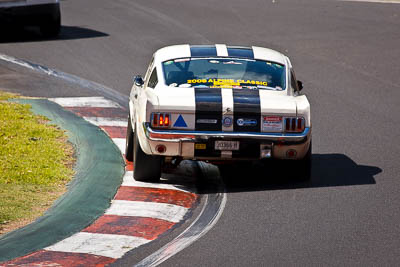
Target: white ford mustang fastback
217	103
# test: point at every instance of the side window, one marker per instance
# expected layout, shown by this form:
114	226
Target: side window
153	80
293	81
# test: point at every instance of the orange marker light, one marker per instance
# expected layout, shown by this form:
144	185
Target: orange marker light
166	120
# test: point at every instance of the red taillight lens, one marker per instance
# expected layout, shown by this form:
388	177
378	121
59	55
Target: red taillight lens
287	125
294	125
300	124
155	119
160	119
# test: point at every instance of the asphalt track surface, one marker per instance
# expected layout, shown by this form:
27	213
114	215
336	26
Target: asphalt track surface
346	53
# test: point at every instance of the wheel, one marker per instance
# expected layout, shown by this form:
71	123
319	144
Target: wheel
146	168
52	26
129	141
301	170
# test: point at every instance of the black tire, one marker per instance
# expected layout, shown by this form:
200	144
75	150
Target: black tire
146	168
52	26
301	170
129	141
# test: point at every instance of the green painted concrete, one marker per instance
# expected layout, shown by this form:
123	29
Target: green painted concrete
99	172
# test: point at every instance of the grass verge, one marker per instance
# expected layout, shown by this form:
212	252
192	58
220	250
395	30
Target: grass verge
35	164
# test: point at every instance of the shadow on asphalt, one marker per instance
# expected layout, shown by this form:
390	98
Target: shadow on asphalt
18	34
328	170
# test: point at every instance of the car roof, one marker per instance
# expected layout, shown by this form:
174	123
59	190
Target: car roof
218	50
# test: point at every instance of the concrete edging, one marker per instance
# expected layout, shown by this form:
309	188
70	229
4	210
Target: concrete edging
99	172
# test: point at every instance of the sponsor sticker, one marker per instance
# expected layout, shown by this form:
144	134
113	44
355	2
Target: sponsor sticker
208	121
180	122
272	124
230	82
246	122
227	121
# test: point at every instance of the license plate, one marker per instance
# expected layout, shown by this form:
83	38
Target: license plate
226	145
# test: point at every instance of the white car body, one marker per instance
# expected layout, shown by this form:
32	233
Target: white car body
269	140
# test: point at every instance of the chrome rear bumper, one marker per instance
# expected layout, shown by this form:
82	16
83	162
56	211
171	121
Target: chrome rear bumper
192	136
181	143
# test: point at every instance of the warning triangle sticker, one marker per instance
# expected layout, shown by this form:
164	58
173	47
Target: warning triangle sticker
180	122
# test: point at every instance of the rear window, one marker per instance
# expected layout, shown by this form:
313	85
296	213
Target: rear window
224	73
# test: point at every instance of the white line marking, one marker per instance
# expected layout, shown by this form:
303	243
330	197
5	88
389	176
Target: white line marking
120	142
208	217
129	181
94	102
163	211
16	61
107	245
101	121
375	1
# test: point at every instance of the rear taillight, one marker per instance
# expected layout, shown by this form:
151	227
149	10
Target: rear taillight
294	125
160	119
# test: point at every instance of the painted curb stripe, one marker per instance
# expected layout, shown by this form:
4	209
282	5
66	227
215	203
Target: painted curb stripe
163	211
115	132
95	101
103	121
99	171
45	258
107	245
210	214
98	112
139	213
129	181
120	142
129	166
156	195
86	248
148	228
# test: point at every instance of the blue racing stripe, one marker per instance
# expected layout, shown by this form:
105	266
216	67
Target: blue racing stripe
203	51
243	52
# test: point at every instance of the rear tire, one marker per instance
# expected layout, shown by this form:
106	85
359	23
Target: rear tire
146	168
129	141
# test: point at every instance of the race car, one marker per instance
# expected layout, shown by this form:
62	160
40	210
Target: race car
220	104
43	13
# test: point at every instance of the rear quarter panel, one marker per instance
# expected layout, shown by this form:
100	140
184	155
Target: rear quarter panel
303	109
